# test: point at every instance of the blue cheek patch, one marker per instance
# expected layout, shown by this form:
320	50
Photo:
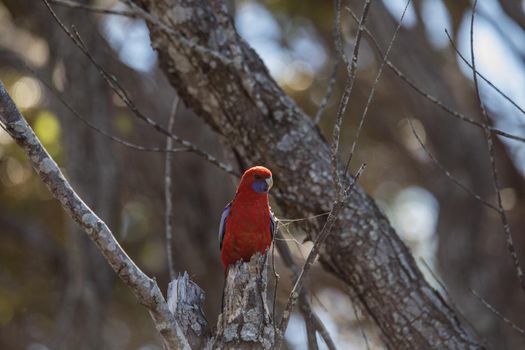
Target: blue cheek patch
260	186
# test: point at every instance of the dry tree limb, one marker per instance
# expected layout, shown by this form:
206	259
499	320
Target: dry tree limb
245	321
311	336
304	304
246	106
168	215
490	144
350	80
328	94
185	301
91	8
144	288
180	322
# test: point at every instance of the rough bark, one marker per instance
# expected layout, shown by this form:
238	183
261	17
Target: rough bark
185	299
245	322
230	88
471	241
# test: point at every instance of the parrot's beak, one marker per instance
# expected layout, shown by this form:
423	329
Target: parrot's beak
269	182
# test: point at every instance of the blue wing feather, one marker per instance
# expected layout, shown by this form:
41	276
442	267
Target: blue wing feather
222	226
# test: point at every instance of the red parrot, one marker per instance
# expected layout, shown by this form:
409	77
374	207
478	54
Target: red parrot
247	223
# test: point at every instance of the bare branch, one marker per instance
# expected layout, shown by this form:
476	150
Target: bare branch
373	89
304	303
498	90
431	98
245	321
490	143
168	217
497	313
449	298
91	8
144	288
312	256
446	172
328	94
352	73
310	331
94	127
363	249
121	92
185	301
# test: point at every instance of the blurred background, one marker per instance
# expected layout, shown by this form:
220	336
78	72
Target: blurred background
56	292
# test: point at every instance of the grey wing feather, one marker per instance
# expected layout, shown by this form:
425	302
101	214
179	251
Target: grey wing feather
222	226
273	224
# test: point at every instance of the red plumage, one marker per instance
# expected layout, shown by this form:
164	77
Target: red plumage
247	222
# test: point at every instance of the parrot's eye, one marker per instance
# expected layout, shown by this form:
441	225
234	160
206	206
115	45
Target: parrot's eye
257	177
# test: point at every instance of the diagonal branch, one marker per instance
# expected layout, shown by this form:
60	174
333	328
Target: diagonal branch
490	144
245	105
431	98
95	9
373	89
446	172
350	80
123	95
312	256
144	288
168	217
304	303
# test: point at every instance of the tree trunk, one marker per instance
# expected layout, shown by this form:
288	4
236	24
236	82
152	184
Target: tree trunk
224	81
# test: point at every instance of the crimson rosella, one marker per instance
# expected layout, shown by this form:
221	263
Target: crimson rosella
247	223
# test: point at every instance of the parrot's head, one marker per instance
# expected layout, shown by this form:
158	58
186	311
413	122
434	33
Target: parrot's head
257	179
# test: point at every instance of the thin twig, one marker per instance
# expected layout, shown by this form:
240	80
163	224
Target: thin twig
97	129
450	299
121	92
361	328
304	303
91	8
497	313
446	172
328	94
490	143
352	73
311	335
167	193
428	96
498	90
312	256
373	89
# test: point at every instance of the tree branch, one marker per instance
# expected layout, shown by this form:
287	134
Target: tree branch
245	321
144	288
245	105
